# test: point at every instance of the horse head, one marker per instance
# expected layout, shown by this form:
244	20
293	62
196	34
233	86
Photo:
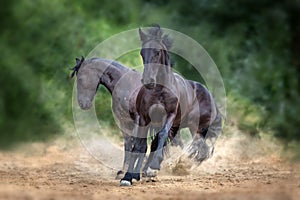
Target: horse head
155	56
87	83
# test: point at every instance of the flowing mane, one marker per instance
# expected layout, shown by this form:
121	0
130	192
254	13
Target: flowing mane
76	68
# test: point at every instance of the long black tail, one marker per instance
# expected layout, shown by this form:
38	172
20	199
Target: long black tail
215	129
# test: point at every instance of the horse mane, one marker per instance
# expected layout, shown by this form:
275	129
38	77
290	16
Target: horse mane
114	63
77	66
156	33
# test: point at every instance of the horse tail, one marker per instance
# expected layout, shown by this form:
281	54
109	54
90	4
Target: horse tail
215	128
213	132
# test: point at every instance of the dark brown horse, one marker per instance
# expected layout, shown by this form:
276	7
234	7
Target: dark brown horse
186	104
123	84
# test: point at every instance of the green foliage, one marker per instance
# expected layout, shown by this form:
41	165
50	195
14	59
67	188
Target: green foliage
22	111
255	44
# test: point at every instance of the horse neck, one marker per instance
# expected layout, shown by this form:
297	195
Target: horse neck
109	73
167	77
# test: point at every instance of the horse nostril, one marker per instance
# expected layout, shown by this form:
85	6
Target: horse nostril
90	104
148	81
149	85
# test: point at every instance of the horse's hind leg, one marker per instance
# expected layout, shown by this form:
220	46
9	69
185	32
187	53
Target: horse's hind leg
202	146
174	135
199	150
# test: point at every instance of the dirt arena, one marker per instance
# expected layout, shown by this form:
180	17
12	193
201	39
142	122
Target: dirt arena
242	168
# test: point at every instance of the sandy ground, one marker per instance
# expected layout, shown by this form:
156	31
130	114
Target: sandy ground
242	168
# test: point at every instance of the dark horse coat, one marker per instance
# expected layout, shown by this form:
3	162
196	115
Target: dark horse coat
185	103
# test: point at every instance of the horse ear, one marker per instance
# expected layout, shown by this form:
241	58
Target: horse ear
143	36
168	41
77	60
159	32
82	59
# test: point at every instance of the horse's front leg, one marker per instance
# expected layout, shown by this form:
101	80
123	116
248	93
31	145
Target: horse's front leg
162	137
153	149
127	152
137	156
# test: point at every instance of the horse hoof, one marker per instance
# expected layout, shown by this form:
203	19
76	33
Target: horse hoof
119	174
151	172
125	183
136	176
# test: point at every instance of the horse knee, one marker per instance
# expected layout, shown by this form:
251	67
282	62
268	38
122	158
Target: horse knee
141	146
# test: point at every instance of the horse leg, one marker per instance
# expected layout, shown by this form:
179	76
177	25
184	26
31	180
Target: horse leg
198	149
162	136
153	148
127	152
136	158
142	149
152	173
175	137
154	144
202	146
178	141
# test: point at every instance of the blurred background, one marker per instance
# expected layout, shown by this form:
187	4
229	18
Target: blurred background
254	43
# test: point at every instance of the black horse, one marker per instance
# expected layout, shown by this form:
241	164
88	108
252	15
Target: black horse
186	104
123	84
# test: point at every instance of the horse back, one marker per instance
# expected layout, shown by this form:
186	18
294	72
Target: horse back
205	101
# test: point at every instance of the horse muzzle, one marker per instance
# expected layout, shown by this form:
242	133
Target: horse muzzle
85	105
149	84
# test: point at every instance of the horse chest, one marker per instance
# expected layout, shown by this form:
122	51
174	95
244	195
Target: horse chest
168	101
